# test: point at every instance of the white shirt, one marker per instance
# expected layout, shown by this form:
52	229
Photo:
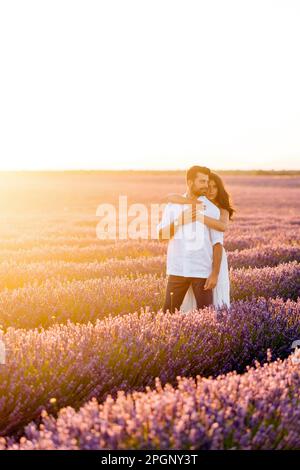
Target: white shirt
190	251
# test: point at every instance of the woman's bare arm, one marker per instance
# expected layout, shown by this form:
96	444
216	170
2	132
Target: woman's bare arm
220	224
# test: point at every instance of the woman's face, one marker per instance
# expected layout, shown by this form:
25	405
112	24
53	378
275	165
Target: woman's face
212	190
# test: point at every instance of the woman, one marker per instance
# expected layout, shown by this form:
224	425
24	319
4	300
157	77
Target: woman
221	198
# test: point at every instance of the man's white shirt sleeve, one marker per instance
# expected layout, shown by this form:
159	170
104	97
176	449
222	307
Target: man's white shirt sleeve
216	237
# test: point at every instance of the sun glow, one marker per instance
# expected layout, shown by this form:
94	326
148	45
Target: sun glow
162	84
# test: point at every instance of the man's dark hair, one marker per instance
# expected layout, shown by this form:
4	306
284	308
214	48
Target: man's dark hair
193	170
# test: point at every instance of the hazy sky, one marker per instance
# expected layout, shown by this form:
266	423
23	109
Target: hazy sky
149	84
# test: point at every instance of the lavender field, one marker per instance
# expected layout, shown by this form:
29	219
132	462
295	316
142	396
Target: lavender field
91	362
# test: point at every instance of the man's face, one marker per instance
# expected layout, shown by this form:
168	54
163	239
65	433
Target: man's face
199	186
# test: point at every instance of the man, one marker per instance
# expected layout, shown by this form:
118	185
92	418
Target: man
191	260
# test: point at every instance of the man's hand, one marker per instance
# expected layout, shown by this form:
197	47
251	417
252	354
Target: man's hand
189	215
211	281
192	214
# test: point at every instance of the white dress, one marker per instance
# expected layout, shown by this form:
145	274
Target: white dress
221	293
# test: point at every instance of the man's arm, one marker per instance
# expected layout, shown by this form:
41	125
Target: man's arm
167	228
212	279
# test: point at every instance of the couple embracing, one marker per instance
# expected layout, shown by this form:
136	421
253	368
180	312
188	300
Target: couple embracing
194	224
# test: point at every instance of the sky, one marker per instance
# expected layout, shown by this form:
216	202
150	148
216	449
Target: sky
156	84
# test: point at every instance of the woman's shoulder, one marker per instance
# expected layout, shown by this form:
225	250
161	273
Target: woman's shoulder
224	214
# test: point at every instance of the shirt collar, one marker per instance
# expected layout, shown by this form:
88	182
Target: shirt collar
185	194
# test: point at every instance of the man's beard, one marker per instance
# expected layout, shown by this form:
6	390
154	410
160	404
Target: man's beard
199	192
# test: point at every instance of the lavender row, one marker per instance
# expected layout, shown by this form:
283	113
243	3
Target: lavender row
70	364
259	237
14	274
91	252
236	238
268	255
89	249
259	410
83	301
282	280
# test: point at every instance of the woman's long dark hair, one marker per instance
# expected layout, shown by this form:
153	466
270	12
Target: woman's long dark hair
223	198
